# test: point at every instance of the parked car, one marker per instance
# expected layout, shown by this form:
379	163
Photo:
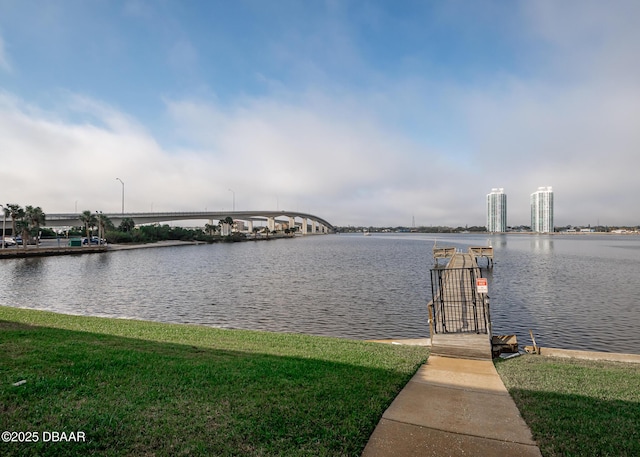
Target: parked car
9	241
30	241
94	240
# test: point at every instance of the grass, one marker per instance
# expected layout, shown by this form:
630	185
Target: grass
576	407
148	389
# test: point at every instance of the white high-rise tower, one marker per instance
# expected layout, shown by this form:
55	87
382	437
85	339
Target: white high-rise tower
497	210
542	210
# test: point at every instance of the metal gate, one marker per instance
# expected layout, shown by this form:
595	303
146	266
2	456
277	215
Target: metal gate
456	306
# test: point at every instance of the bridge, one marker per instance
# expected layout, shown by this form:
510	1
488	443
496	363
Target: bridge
309	224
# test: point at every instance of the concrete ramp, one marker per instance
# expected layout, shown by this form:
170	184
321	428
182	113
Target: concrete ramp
452	407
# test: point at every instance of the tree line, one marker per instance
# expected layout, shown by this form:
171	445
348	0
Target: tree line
25	221
128	232
28	223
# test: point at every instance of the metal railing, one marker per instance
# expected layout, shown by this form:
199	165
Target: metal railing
456	305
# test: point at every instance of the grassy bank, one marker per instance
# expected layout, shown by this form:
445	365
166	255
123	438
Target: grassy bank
141	388
576	407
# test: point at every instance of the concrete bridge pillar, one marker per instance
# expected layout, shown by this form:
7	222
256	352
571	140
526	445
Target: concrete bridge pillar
250	226
313	227
292	223
304	226
271	223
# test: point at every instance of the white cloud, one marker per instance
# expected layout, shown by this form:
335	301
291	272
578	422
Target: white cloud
268	152
382	153
327	147
333	156
580	140
573	125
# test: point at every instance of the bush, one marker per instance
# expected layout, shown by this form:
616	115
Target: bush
153	233
119	237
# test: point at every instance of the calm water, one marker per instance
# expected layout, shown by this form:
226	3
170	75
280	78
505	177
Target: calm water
578	292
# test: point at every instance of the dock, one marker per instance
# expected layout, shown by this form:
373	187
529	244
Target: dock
456	404
21	252
482	252
459	316
445	252
476	252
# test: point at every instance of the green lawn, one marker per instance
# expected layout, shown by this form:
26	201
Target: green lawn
144	389
576	407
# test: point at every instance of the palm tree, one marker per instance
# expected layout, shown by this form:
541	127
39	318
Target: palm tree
227	221
17	213
104	224
34	218
211	229
89	220
23	227
127	225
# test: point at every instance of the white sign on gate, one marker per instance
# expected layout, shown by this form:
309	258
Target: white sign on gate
481	286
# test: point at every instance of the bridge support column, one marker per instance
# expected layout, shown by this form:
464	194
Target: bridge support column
271	223
304	225
250	226
292	223
313	227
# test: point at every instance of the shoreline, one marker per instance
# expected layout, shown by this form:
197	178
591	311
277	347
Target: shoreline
156	244
32	251
21	252
544	351
423	342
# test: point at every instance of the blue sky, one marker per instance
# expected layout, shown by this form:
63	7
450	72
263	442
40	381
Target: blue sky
370	113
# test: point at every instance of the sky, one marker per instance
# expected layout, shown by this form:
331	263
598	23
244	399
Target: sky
375	113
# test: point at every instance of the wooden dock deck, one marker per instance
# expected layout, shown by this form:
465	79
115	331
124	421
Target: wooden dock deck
445	252
482	251
457	319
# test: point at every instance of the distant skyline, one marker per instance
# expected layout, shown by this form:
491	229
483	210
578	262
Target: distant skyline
361	112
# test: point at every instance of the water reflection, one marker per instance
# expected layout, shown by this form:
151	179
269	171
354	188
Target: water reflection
541	245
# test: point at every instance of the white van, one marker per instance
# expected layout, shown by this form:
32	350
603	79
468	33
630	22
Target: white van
9	241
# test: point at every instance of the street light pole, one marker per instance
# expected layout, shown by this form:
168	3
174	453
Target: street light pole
234	199
118	179
4	222
100	234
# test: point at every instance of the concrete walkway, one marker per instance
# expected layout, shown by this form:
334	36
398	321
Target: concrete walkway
452	407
